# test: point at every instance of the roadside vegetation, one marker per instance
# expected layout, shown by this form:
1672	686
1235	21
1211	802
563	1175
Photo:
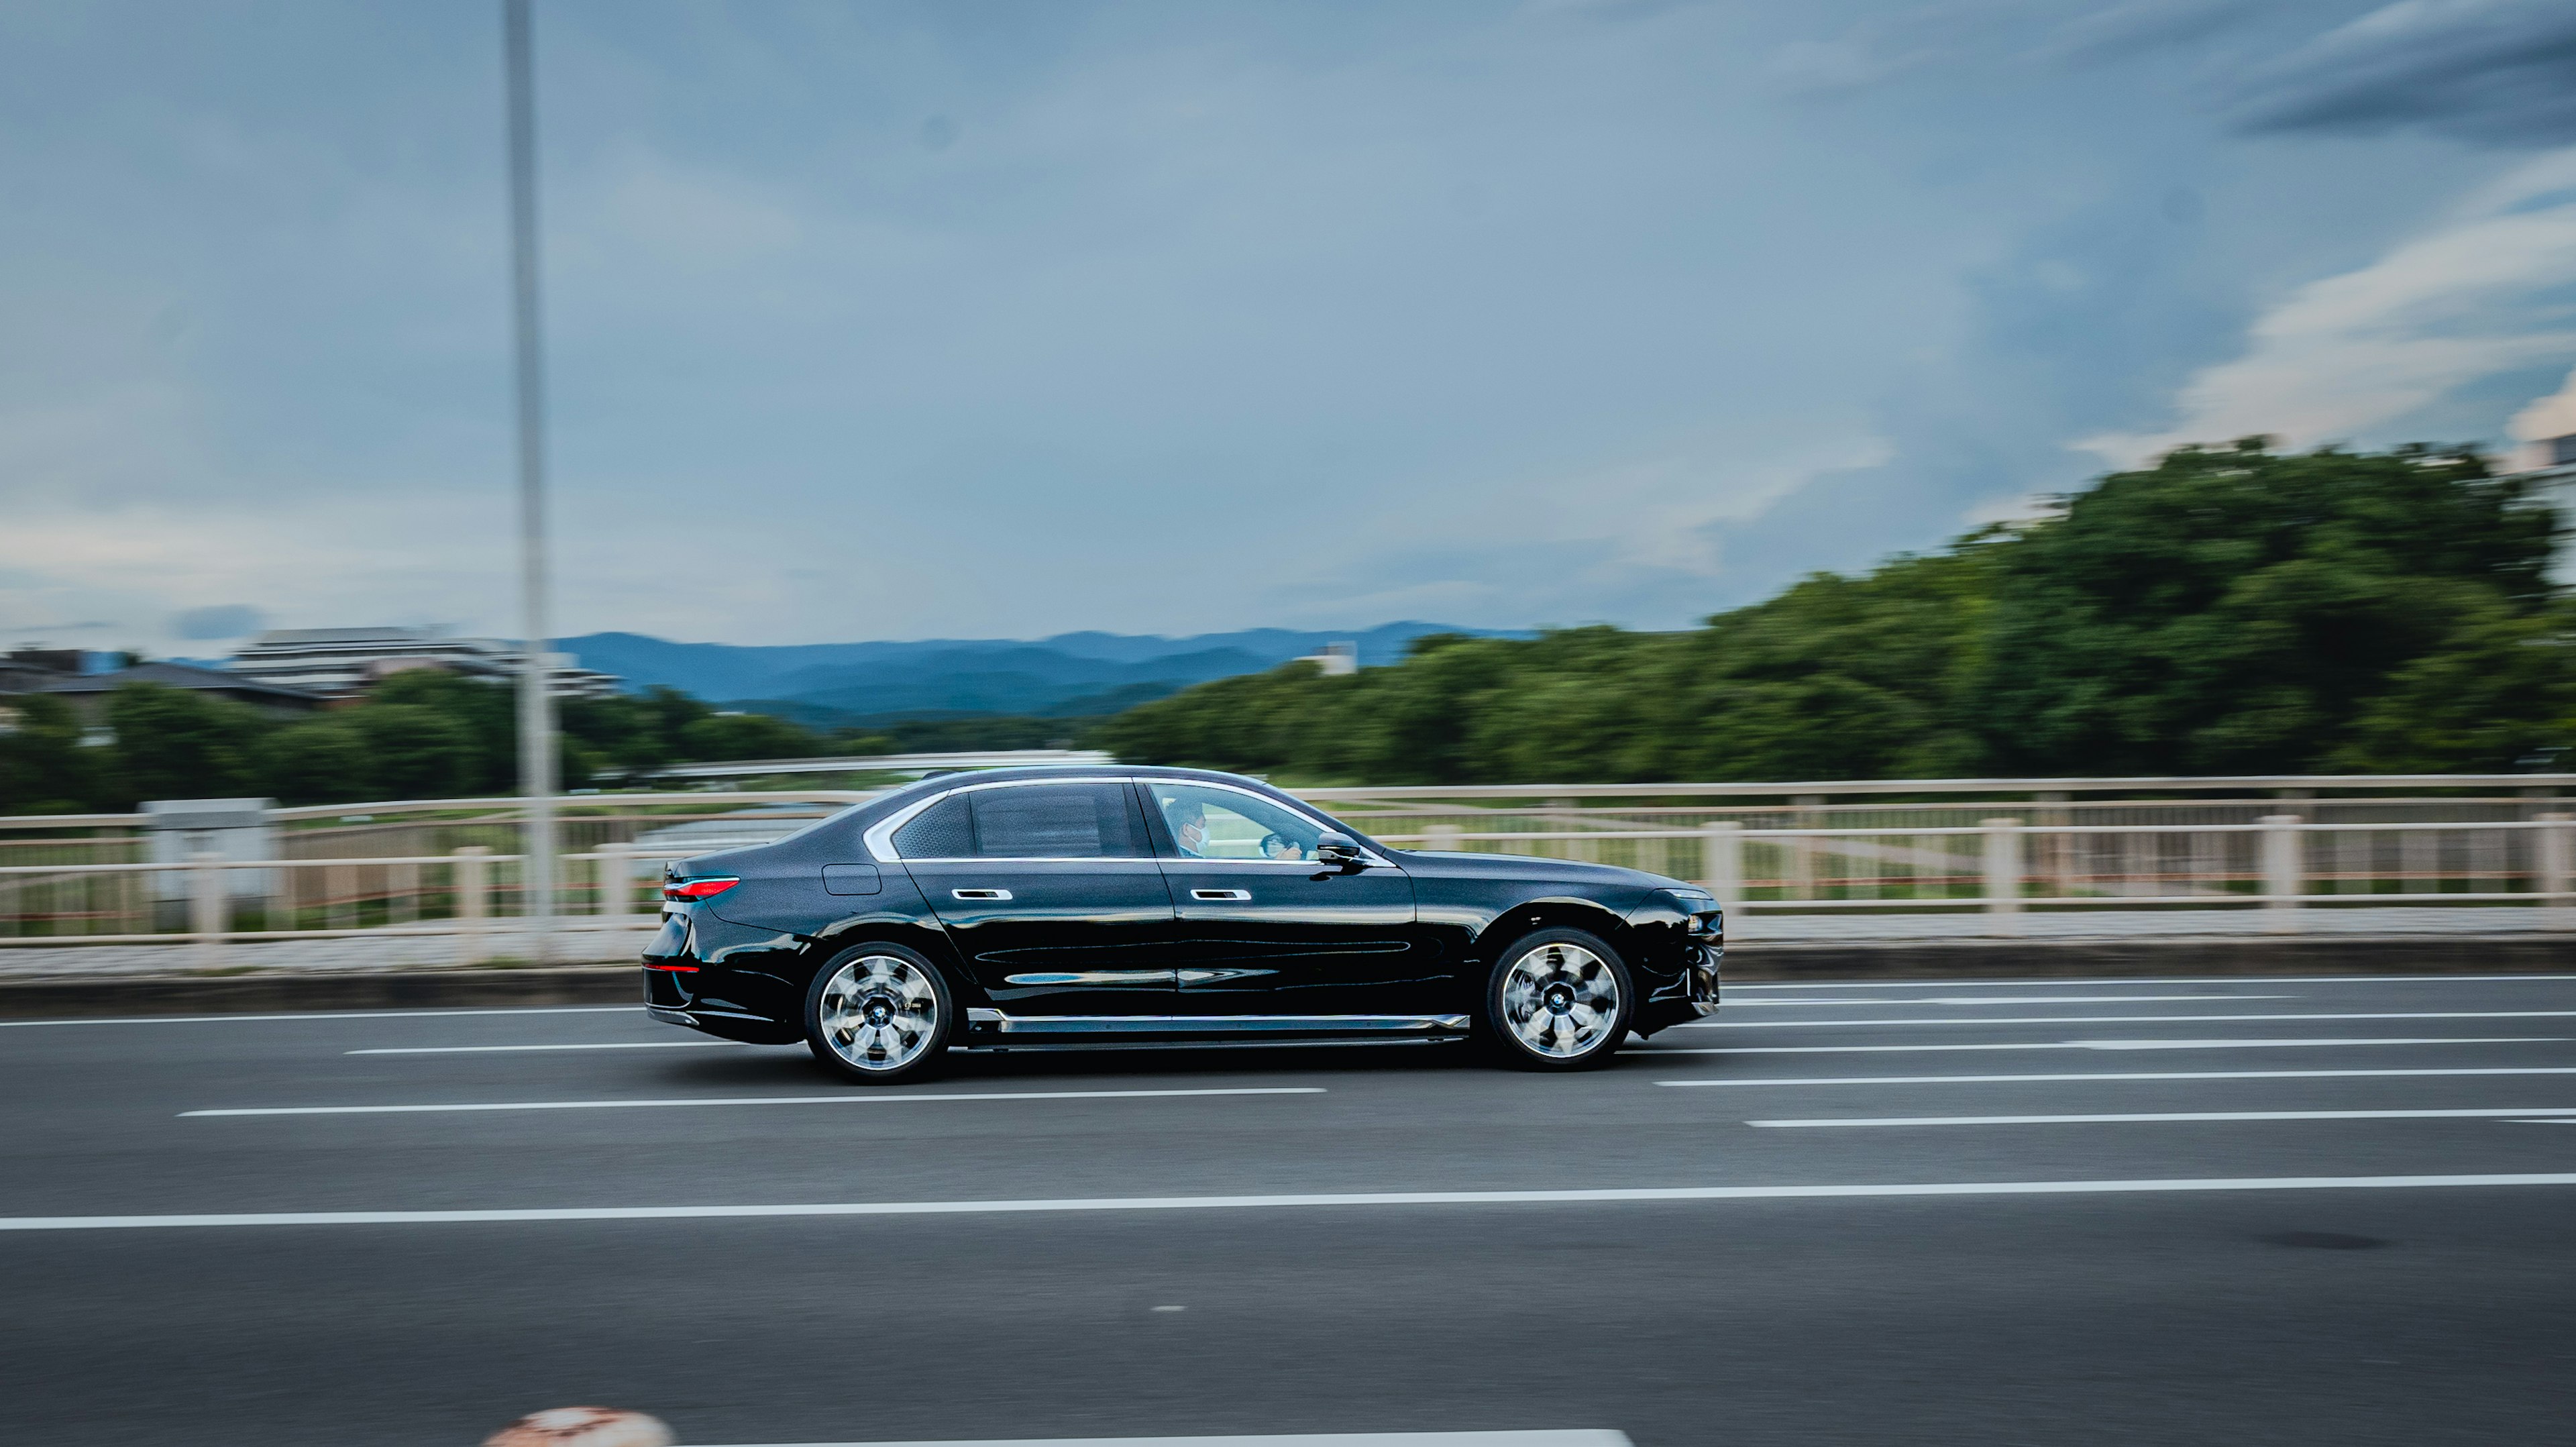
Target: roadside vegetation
417	735
2228	611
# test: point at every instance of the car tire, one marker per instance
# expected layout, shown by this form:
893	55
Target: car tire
879	1013
1558	999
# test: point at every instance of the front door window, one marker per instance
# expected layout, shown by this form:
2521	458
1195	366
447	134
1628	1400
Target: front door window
1221	824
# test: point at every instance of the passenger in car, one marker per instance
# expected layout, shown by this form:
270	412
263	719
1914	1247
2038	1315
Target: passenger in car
1189	826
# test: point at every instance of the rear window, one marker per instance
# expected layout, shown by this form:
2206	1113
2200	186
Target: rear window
941	831
1055	821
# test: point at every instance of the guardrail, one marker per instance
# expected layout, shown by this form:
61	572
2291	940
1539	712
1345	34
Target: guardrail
2281	864
2281	870
201	902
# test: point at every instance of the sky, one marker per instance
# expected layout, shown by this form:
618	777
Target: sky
974	319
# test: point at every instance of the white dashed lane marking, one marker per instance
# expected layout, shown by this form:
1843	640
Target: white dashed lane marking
1995	1000
2116	1076
2158	1117
1368	1200
2124	1019
635	1010
850	1097
519	1049
2104	1045
1593	1438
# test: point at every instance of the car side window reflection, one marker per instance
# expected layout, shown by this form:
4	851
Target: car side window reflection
1055	821
1221	824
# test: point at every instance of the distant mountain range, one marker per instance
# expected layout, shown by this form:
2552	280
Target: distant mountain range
1068	675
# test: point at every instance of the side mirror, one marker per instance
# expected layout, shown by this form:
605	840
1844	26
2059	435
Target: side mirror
1336	850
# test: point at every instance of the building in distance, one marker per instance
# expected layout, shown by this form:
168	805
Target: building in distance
58	672
340	663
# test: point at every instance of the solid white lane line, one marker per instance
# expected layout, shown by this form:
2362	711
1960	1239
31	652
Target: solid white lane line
1646	1194
1998	1000
329	1015
2100	1045
1577	1438
853	1097
2061	982
1580	1438
2165	1116
514	1049
2127	1019
2116	1075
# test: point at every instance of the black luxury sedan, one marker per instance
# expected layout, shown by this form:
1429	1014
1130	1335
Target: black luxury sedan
1063	907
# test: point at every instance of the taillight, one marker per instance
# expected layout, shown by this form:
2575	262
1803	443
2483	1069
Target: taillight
689	891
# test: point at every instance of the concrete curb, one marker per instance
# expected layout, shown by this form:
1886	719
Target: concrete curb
283	991
2172	955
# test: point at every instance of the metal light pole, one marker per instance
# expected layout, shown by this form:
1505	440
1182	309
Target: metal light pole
536	701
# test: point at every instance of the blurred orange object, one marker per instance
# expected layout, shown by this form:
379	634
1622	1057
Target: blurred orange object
582	1427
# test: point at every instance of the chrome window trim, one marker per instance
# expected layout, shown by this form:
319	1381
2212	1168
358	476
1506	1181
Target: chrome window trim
880	836
1368	856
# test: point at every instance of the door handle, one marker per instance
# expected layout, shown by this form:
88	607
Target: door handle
980	893
1221	894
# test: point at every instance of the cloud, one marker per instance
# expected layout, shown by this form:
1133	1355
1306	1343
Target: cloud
2548	417
2366	348
2497	72
2015	34
226	620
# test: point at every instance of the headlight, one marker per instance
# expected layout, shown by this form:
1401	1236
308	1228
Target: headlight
1693	901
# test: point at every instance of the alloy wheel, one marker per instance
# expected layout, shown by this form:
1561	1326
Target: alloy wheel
879	1012
1561	1001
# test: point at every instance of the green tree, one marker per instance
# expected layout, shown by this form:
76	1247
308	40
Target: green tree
485	715
321	761
172	743
43	767
746	736
2228	610
416	751
2237	611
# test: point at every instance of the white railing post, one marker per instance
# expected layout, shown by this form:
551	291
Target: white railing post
473	902
2283	877
616	882
206	907
2003	874
2552	861
1721	855
1721	861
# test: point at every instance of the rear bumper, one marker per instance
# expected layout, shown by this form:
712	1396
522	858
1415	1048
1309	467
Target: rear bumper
682	991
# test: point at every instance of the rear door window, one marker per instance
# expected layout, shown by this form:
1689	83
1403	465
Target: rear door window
1056	821
943	831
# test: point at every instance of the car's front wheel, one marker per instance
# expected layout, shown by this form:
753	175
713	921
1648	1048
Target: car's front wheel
878	1013
1559	999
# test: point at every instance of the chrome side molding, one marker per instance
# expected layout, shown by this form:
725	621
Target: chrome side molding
980	1020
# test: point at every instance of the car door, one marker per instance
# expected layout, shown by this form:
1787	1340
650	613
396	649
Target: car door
1268	939
1051	893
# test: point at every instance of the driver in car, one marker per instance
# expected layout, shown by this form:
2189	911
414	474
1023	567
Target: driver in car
1189	826
1275	845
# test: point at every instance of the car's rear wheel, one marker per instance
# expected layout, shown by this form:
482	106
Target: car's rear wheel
878	1013
1559	999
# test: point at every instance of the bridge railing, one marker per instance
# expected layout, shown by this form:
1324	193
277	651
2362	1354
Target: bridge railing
2267	855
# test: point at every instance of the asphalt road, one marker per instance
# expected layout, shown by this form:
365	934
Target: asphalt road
2249	1211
